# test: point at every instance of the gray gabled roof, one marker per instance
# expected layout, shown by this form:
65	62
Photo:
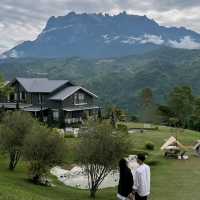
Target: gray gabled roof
65	93
42	85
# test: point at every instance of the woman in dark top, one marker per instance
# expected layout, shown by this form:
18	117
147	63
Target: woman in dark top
125	186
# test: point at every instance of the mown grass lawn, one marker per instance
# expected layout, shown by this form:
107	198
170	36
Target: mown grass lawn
171	179
15	186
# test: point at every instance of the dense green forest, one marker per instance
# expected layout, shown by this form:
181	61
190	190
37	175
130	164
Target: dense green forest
118	81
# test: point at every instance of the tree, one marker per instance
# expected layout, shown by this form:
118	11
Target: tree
148	112
115	114
181	103
14	127
99	151
195	117
113	119
119	113
4	88
107	111
43	149
165	114
2	112
174	122
147	96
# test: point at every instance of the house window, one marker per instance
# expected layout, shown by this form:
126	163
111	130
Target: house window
55	115
11	97
79	98
23	96
75	98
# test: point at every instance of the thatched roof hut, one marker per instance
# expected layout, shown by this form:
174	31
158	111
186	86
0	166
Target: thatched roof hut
197	147
172	142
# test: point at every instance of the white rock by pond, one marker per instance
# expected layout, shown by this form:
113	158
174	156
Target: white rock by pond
77	178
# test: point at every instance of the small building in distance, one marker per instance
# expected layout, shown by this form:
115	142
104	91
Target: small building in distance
51	100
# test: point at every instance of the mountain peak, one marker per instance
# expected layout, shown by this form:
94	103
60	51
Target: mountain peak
71	13
97	35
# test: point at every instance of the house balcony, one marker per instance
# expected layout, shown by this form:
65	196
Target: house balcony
13	105
73	120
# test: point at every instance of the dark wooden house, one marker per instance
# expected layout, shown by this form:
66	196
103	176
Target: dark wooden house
59	100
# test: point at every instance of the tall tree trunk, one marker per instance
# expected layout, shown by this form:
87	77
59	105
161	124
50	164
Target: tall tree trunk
93	193
36	179
11	165
14	158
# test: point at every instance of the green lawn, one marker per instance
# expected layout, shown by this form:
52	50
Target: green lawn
15	186
135	125
171	179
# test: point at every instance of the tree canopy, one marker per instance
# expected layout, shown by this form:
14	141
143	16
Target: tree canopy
13	130
43	149
4	87
181	103
100	149
148	108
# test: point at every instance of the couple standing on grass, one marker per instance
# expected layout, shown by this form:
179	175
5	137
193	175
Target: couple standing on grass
135	186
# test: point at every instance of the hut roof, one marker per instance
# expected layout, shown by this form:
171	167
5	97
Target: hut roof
197	145
172	141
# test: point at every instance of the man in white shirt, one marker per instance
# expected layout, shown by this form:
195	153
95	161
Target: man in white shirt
141	185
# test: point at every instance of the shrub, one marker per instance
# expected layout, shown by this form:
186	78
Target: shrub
122	127
69	135
149	146
13	130
43	149
136	152
152	162
134	118
156	128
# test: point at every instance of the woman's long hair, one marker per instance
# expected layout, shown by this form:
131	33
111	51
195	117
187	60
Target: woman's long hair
122	166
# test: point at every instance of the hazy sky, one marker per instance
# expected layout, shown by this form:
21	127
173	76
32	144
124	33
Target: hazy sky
23	19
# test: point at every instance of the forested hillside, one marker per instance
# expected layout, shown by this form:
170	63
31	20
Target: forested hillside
118	81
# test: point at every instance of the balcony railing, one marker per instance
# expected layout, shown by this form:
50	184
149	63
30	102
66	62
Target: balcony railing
73	120
12	105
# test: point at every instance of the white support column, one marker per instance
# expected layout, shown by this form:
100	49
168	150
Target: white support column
20	96
8	97
15	97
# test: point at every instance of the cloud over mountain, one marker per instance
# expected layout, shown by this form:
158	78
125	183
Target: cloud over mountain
185	43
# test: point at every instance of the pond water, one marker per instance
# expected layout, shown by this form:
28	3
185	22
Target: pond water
76	177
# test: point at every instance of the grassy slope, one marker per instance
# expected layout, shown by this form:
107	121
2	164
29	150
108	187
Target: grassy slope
171	179
15	186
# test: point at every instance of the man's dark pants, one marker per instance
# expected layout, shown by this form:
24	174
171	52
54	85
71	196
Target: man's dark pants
138	197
